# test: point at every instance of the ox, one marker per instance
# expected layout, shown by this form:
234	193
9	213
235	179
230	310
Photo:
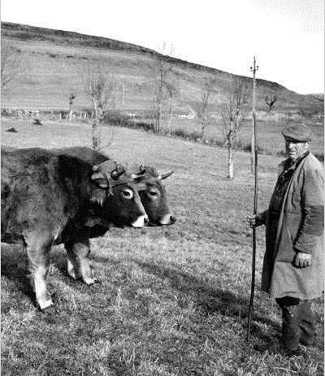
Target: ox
153	193
51	198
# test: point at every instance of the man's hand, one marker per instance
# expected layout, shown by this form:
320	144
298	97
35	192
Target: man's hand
255	220
302	260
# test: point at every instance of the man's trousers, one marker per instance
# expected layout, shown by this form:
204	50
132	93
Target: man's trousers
297	323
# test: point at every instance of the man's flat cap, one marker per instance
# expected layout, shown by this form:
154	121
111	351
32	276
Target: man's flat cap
297	132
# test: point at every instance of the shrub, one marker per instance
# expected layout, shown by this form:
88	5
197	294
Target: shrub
180	132
248	148
281	153
145	126
116	118
195	135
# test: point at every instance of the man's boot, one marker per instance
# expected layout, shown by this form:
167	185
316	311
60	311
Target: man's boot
308	333
291	320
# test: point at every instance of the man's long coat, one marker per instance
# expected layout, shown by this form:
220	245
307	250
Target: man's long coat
300	228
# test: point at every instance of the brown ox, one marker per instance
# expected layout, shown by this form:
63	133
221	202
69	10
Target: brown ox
50	198
153	193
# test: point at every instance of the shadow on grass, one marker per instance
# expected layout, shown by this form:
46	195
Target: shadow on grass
209	299
212	300
14	267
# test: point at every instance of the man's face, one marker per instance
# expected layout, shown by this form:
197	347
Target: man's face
295	148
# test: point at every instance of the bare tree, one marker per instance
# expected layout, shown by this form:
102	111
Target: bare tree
203	110
165	87
173	91
100	87
71	99
233	112
11	65
163	69
270	100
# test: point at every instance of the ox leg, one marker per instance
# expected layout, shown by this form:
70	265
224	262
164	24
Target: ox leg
78	262
38	249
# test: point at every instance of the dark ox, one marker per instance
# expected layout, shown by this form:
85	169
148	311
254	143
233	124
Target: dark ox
153	193
51	198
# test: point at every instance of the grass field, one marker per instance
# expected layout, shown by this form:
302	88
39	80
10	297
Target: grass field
270	140
173	300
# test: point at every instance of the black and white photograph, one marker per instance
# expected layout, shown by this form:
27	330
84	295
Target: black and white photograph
162	188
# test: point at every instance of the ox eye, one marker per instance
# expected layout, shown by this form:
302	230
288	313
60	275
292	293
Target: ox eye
153	193
127	193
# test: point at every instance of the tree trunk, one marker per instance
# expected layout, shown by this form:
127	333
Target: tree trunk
202	130
230	160
70	112
170	117
95	135
159	100
95	128
158	117
71	98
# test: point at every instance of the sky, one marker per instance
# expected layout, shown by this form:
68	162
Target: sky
285	36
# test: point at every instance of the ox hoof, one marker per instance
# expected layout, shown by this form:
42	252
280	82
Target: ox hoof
73	274
45	305
90	281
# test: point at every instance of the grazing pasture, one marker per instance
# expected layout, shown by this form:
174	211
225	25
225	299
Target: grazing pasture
172	300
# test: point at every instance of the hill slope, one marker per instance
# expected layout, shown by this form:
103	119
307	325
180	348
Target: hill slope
54	61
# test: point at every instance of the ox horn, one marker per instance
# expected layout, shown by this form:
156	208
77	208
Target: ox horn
136	176
142	173
165	176
142	169
116	174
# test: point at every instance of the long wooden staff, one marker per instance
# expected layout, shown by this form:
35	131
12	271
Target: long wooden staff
254	147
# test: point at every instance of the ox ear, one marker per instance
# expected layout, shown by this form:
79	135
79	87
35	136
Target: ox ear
165	176
99	196
100	179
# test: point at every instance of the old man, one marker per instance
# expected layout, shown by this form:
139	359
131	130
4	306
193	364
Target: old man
293	262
